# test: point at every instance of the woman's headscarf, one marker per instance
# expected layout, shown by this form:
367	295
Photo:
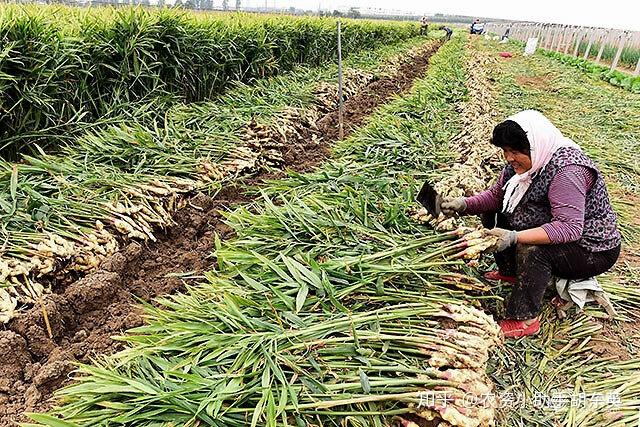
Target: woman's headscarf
544	139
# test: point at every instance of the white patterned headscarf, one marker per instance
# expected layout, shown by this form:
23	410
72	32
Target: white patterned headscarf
545	139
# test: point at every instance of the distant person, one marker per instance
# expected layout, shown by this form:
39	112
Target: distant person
473	26
505	36
424	26
448	30
477	27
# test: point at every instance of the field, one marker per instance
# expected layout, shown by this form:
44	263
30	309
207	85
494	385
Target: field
254	269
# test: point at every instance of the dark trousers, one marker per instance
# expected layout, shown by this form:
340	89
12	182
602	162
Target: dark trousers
534	266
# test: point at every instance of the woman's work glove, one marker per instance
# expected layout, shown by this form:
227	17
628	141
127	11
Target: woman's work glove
506	239
453	205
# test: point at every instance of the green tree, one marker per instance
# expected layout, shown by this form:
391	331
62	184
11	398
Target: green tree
354	13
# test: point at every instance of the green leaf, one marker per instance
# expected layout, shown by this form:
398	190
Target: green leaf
301	297
13	186
50	420
364	381
272	415
253	283
217	241
303	272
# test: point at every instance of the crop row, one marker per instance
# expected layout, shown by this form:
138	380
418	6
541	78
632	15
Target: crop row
615	77
61	66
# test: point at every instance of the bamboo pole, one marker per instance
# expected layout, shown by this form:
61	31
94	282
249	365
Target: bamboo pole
622	38
561	35
557	34
554	32
539	32
588	49
603	41
578	40
542	35
562	39
570	34
340	101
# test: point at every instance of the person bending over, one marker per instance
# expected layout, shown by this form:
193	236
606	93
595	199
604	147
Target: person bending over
551	211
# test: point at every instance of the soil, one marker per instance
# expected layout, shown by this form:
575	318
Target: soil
84	315
536	82
360	106
615	340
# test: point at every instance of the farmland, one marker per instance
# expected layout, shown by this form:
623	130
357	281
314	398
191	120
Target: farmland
283	275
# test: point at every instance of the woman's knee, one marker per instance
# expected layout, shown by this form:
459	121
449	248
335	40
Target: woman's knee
527	254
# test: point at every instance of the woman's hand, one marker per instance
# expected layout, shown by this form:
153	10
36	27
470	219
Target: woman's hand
506	239
453	205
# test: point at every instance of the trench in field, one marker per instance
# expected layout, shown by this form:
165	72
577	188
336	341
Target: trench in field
85	314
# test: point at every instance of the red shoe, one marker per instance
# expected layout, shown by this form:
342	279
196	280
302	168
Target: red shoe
495	276
517	328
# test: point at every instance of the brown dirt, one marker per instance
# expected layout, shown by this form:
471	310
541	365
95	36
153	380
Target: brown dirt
536	82
360	106
614	339
85	314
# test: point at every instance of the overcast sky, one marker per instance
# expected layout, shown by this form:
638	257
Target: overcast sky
622	14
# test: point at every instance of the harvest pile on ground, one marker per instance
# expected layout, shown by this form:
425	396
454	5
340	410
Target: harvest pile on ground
71	206
324	302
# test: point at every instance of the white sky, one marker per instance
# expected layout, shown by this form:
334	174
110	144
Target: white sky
622	14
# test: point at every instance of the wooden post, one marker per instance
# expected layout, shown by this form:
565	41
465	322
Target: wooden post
637	71
340	103
603	41
622	40
588	49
